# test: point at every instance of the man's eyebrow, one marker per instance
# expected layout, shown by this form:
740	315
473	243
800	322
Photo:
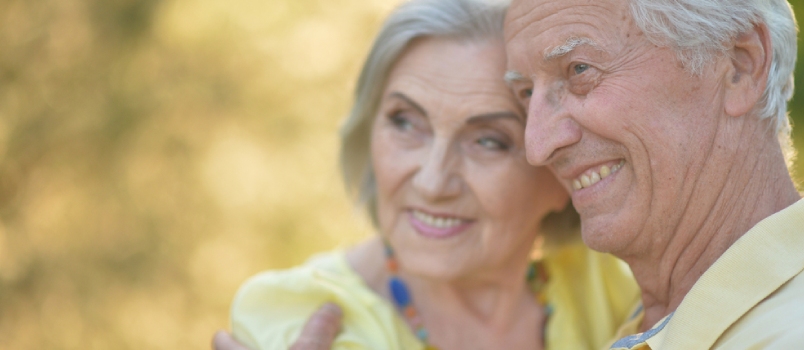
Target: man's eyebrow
410	101
495	115
571	44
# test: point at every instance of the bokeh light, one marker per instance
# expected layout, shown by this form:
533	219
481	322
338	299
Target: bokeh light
155	153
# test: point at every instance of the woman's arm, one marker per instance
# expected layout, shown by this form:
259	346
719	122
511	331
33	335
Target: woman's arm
317	334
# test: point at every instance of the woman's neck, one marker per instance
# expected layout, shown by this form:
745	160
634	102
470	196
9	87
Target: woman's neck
489	311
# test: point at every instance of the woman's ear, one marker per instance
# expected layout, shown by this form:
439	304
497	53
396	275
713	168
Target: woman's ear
750	61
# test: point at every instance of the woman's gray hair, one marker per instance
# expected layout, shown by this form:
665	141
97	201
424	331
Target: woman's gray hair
471	20
700	29
459	19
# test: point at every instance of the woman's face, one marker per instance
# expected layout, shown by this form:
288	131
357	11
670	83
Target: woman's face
455	193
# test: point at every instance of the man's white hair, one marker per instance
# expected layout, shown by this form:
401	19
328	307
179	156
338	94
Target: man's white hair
700	29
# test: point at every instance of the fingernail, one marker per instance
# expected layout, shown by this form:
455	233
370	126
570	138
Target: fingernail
333	309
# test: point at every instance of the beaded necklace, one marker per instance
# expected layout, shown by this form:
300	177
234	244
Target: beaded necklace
536	278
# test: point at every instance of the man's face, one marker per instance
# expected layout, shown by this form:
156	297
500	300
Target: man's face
621	123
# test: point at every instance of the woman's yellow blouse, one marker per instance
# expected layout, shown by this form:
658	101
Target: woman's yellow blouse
591	294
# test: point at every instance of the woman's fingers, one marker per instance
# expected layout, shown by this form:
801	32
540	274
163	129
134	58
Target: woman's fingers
224	341
321	329
318	333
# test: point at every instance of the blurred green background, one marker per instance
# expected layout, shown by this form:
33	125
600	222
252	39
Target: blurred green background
155	153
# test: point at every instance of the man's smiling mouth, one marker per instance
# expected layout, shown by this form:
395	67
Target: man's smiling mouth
593	176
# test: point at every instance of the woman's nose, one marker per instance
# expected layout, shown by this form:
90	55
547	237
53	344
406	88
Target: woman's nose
437	177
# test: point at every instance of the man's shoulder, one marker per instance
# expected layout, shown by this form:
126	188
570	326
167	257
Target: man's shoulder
774	322
784	309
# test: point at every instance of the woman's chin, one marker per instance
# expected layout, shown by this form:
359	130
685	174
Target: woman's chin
441	269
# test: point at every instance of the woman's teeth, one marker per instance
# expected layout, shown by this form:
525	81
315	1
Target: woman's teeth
435	221
587	180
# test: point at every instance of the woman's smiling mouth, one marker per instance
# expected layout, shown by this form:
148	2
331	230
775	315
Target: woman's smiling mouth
437	226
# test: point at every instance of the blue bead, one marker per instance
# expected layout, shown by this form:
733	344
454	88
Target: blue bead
421	333
399	291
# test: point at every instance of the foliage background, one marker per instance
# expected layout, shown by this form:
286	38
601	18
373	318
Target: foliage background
155	153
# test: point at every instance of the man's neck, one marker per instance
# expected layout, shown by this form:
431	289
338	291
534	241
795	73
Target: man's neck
754	185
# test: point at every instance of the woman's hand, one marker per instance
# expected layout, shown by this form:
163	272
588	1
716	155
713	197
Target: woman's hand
225	341
318	333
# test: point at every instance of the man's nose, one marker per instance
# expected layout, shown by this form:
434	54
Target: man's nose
549	128
437	176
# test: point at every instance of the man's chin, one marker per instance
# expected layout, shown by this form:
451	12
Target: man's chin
605	234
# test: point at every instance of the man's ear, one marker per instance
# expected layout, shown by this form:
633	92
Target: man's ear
750	60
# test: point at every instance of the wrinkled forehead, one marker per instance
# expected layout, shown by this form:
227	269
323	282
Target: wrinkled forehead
546	25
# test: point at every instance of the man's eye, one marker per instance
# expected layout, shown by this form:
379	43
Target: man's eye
580	68
527	93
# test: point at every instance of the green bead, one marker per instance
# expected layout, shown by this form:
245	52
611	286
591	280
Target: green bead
531	275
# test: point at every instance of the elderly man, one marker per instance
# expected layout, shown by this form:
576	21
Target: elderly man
666	120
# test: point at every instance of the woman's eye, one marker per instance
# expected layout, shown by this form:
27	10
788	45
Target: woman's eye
580	68
492	144
400	122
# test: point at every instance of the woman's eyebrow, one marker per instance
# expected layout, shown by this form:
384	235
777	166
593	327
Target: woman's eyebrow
495	115
410	101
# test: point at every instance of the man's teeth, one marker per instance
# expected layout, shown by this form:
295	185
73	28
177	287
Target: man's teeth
435	221
588	180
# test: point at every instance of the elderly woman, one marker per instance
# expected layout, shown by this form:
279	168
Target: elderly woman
434	147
